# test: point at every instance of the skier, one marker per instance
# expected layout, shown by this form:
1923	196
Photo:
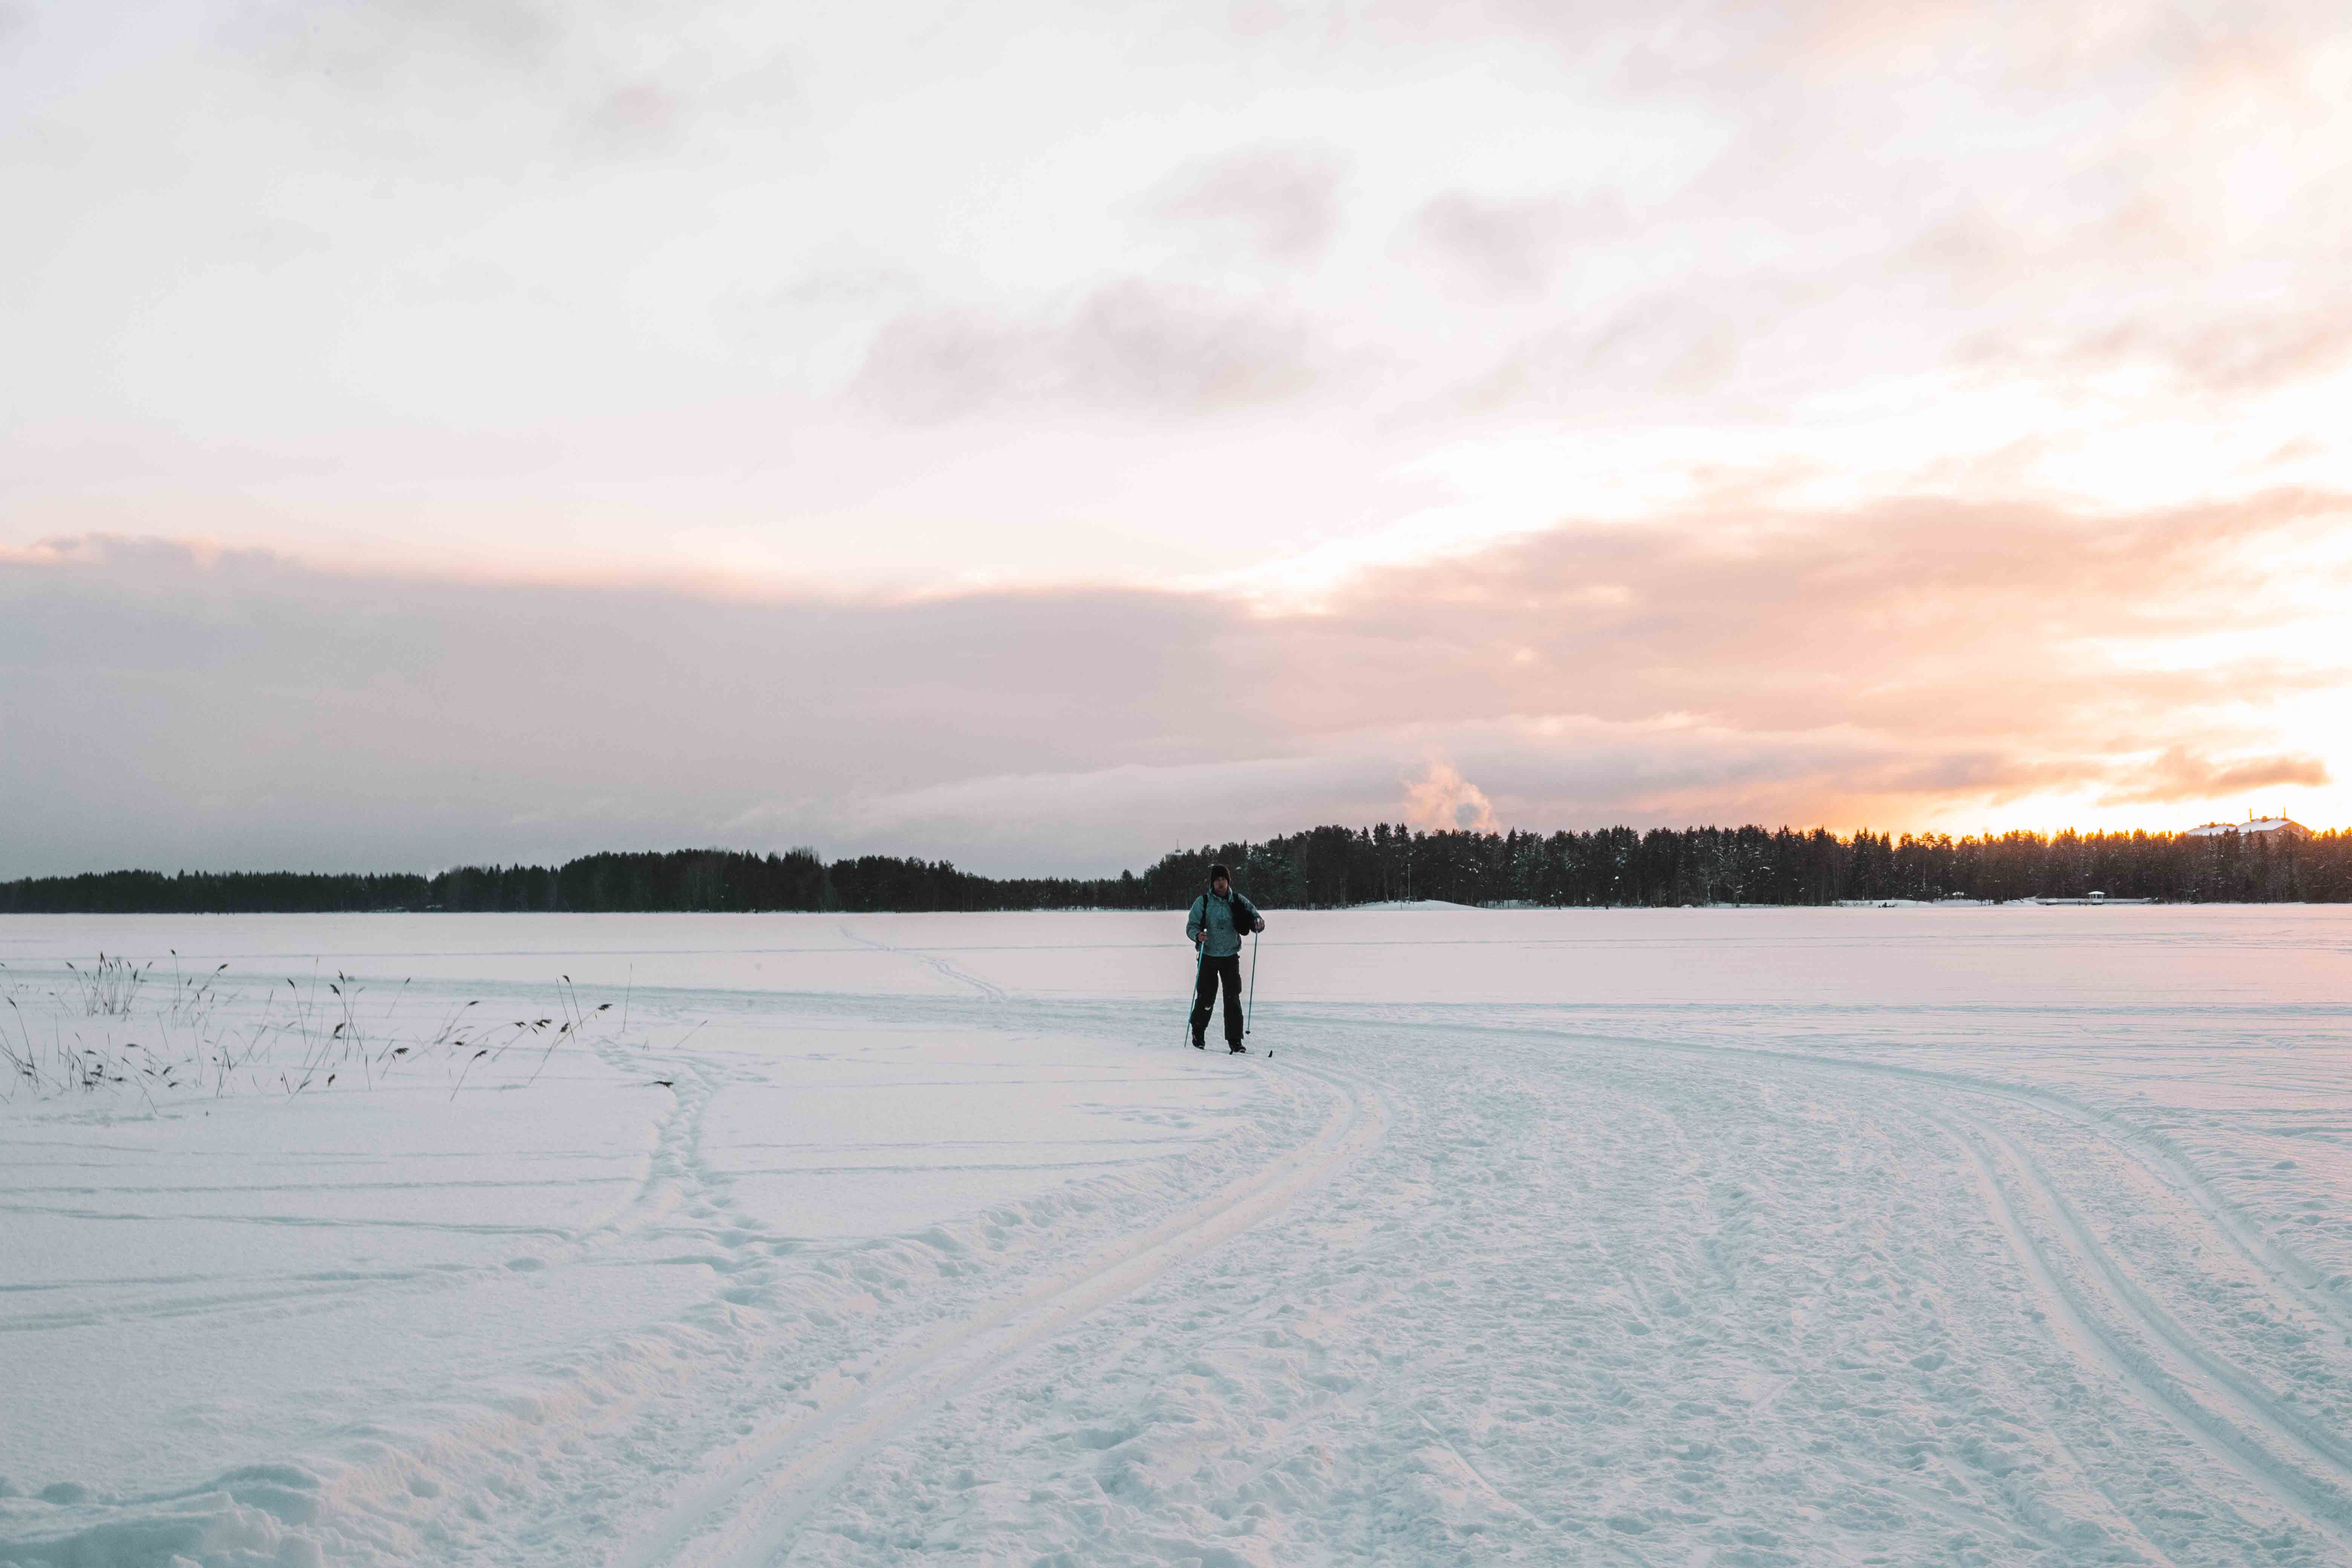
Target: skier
1218	920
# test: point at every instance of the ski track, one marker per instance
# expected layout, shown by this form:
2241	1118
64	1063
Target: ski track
749	1512
2269	1486
2108	1324
1461	1285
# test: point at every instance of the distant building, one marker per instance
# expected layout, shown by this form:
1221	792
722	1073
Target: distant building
2278	825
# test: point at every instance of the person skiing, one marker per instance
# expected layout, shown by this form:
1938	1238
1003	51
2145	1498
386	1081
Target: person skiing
1217	924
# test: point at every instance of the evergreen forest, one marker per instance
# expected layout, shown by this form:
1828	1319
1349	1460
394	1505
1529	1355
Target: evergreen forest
1323	867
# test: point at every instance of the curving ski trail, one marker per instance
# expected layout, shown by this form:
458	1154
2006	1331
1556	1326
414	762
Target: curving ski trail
2087	1300
749	1512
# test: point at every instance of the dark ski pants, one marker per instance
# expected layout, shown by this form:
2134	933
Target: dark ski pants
1213	970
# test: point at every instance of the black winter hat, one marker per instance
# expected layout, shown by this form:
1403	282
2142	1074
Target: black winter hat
1217	871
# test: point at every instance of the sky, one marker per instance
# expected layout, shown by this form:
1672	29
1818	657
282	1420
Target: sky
1043	435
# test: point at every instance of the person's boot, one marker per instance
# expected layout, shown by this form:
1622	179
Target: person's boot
1199	1039
1236	1047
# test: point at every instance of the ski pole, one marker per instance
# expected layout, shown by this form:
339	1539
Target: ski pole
1200	961
1250	1010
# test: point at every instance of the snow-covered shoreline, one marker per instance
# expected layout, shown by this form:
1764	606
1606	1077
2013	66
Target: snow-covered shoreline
1654	1236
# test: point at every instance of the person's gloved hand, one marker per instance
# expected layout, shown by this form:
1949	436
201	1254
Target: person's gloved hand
1256	925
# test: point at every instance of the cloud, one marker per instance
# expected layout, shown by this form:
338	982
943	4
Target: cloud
1134	348
167	704
1282	203
509	81
2248	349
1670	352
1442	799
1897	664
1908	617
1513	247
2180	773
371	41
636	113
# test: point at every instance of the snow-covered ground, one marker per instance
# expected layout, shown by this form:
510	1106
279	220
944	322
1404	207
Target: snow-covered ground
1914	1235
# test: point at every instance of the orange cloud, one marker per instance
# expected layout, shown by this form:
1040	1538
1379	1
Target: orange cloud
2180	773
1894	665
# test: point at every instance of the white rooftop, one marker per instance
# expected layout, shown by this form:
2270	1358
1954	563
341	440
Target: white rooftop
2257	825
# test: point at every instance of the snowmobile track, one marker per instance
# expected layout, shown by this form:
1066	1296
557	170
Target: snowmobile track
752	1510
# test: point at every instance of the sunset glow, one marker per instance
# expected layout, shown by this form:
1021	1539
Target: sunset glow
432	432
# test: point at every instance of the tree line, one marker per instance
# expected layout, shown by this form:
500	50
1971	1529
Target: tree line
1617	866
1323	867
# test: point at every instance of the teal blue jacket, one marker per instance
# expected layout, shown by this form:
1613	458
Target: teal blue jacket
1226	922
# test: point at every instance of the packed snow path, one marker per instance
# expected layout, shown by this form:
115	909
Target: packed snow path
2008	1236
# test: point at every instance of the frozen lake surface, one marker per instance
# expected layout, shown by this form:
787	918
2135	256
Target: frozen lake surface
1917	1236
